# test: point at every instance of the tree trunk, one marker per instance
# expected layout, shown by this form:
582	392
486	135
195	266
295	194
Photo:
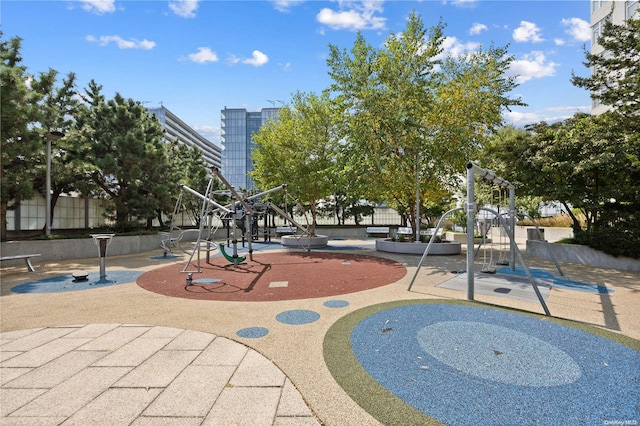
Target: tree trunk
3	219
577	227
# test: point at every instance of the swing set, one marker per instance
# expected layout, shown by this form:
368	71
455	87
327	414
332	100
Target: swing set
504	221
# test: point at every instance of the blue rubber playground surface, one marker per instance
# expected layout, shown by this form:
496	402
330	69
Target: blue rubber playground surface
64	283
432	362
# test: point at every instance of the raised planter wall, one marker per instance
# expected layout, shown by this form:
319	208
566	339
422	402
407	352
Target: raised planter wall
304	242
573	253
437	249
80	248
462	238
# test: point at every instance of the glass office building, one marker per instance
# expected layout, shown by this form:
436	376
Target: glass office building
237	129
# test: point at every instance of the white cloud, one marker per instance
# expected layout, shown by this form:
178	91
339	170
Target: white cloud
285	5
99	6
577	28
527	31
532	66
233	59
257	59
454	47
203	55
358	16
463	3
477	28
184	8
520	119
549	115
211	133
122	43
559	42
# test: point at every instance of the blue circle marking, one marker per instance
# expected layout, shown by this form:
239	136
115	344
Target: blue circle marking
64	283
253	332
163	257
336	303
498	353
297	317
466	365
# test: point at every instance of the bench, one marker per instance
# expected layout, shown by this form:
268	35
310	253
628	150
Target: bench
377	231
26	258
403	230
285	230
430	231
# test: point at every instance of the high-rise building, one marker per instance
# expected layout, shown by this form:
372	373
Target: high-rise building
178	129
601	10
237	129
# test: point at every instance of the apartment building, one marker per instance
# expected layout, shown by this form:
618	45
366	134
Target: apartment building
175	128
601	10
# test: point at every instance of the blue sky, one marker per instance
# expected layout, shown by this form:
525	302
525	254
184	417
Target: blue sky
198	56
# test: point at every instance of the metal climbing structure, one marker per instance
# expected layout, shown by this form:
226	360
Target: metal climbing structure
240	209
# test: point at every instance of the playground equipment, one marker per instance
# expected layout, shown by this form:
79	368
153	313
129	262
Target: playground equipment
240	214
508	223
102	241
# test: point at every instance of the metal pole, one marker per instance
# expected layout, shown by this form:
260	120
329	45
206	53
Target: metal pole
47	218
50	136
471	212
426	250
103	253
202	197
512	228
417	198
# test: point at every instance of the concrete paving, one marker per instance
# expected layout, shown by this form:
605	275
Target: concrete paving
124	355
130	374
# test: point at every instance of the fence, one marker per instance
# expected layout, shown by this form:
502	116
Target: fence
69	213
86	213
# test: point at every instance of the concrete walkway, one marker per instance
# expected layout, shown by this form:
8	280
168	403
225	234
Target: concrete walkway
141	375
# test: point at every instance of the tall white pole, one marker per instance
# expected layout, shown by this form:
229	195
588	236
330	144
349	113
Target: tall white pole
471	214
417	198
50	137
47	218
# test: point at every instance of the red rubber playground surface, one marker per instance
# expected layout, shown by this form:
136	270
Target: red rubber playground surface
275	276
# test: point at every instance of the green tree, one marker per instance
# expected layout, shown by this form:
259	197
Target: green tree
57	109
412	120
583	164
615	80
21	138
299	149
189	168
123	144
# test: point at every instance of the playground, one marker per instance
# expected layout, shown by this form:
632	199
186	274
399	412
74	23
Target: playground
337	335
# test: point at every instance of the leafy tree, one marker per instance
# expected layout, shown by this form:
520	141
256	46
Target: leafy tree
123	144
188	167
583	164
22	140
300	150
56	111
411	117
615	80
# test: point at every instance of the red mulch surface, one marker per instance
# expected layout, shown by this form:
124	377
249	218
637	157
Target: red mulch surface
307	275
